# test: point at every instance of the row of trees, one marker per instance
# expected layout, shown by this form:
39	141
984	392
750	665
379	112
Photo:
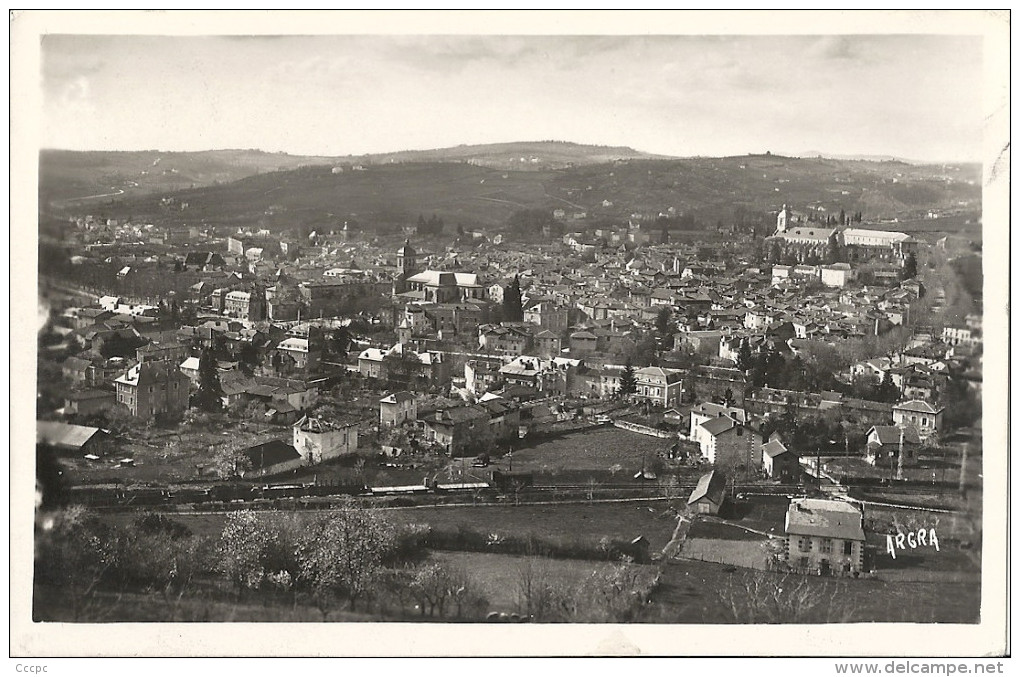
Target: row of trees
347	557
431	226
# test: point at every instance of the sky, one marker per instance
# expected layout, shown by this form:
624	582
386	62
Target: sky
909	96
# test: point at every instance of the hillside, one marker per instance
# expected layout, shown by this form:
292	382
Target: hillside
523	156
73	176
391	195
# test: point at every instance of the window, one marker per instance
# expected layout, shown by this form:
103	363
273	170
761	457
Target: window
826	545
804	544
848	547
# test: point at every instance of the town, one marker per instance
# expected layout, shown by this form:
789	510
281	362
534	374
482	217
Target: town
696	412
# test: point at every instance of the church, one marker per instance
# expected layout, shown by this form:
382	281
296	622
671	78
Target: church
434	286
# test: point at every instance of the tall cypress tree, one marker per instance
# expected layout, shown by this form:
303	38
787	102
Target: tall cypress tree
209	389
628	382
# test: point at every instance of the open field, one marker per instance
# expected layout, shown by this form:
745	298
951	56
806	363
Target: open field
500	576
690	594
609	455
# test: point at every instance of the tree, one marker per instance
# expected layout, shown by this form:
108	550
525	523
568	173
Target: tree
909	270
75	552
886	391
513	310
833	252
745	358
340	554
229	460
209	389
248	549
628	382
842	217
663	321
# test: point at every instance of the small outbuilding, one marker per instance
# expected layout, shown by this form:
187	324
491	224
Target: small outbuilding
707	498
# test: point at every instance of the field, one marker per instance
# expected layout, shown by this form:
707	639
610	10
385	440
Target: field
567	522
607	454
690	593
500	576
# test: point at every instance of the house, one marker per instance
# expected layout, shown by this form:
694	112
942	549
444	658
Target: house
397	408
926	418
502	340
548	343
778	462
271	458
459	429
154	388
884	442
189	368
706	411
480	375
824	537
709	494
663	387
89	402
78	440
726	442
317	440
465	430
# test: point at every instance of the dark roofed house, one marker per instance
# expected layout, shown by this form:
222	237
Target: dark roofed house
883	446
778	462
708	496
271	458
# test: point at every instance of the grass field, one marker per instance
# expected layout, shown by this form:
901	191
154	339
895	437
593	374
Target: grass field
499	576
607	454
690	594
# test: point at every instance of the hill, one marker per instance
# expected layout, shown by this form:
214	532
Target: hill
69	176
522	155
393	194
80	176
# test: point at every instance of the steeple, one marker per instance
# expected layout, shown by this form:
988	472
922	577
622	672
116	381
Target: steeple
783	220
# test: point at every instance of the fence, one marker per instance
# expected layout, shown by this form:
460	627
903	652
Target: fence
644	429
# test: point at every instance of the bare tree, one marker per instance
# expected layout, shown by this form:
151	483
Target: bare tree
764	597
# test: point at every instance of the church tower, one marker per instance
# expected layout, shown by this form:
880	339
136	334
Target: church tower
783	220
406	260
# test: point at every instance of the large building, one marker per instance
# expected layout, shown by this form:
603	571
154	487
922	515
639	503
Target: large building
663	387
153	388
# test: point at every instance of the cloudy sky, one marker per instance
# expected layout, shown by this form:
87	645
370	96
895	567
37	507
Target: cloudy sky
912	96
